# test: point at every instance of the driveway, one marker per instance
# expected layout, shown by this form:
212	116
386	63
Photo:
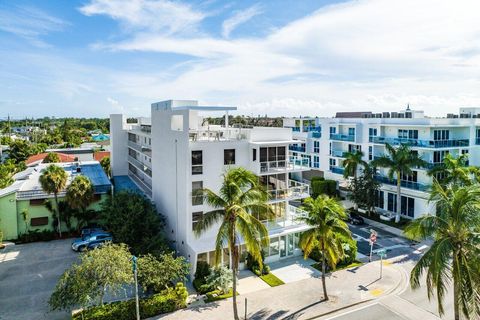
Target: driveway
28	275
294	269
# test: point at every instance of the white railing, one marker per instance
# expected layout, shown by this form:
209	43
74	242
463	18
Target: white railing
297	190
292	164
218	134
140	148
291	219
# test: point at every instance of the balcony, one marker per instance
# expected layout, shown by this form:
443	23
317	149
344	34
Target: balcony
140	165
422	143
290	220
279	166
316	135
140	148
405	184
338	153
297	190
144	184
312	129
337	170
342	137
296	148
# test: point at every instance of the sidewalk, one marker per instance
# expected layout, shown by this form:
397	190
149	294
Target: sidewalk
301	299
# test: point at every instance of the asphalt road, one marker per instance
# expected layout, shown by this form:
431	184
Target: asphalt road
376	311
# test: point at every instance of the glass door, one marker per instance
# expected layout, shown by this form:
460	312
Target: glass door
290	246
283	246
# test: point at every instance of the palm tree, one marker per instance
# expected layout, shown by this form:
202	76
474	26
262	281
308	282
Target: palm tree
53	180
455	253
237	207
105	163
351	163
454	170
79	196
326	217
399	161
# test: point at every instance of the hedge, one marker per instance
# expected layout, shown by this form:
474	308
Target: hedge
215	295
170	300
328	187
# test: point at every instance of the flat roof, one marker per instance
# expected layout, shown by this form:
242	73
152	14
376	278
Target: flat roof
206	108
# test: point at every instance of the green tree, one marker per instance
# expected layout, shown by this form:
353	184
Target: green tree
25	215
80	196
238	205
326	217
364	189
133	220
220	278
351	163
52	157
105	163
160	273
454	170
19	151
454	256
53	180
399	161
7	170
86	282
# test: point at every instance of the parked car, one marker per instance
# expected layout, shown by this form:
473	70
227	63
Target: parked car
91	241
355	218
387	216
87	231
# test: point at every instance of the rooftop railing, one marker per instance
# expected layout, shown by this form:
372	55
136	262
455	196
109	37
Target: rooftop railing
342	137
218	134
422	143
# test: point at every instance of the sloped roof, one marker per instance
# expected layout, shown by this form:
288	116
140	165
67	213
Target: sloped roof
37	158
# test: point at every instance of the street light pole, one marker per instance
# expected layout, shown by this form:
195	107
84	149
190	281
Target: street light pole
134	267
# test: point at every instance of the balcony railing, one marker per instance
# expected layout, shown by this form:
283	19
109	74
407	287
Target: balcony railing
316	135
338	153
296	148
144	184
342	137
140	148
337	170
291	219
138	163
312	129
422	143
293	164
297	190
405	184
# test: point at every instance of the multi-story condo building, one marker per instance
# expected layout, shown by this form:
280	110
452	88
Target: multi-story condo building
324	142
176	152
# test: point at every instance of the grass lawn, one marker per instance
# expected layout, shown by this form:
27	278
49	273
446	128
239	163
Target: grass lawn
271	280
318	266
215	295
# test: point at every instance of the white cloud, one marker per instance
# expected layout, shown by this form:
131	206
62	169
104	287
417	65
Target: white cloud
166	17
239	18
29	23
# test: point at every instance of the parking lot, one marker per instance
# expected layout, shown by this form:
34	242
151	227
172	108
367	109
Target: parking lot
28	274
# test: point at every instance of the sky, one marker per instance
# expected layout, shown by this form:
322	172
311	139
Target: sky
91	58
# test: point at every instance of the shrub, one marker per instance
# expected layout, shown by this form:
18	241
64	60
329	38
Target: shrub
217	295
221	278
201	273
36	235
317	179
169	300
254	266
328	187
350	253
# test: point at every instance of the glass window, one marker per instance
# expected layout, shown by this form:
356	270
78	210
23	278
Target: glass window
351	131
211	257
316	146
274	246
229	156
392	202
197	198
407	206
263	154
272	154
197	162
196	217
254	154
202	257
380	201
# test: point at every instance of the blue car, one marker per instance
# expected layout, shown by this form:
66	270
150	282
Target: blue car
91	241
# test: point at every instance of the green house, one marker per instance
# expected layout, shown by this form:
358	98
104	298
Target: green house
26	194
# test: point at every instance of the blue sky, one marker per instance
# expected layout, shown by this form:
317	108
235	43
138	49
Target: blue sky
96	57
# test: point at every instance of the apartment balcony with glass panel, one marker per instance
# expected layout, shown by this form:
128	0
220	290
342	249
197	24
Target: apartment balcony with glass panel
404	183
339	153
342	137
286	217
297	148
337	170
296	190
422	143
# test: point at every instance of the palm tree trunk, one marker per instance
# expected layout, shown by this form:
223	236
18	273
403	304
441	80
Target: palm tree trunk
58	216
324	284
234	263
399	197
456	307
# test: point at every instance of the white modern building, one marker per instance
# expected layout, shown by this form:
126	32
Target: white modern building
176	152
324	141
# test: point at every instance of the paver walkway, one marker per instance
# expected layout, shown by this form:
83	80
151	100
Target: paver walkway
249	282
302	299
